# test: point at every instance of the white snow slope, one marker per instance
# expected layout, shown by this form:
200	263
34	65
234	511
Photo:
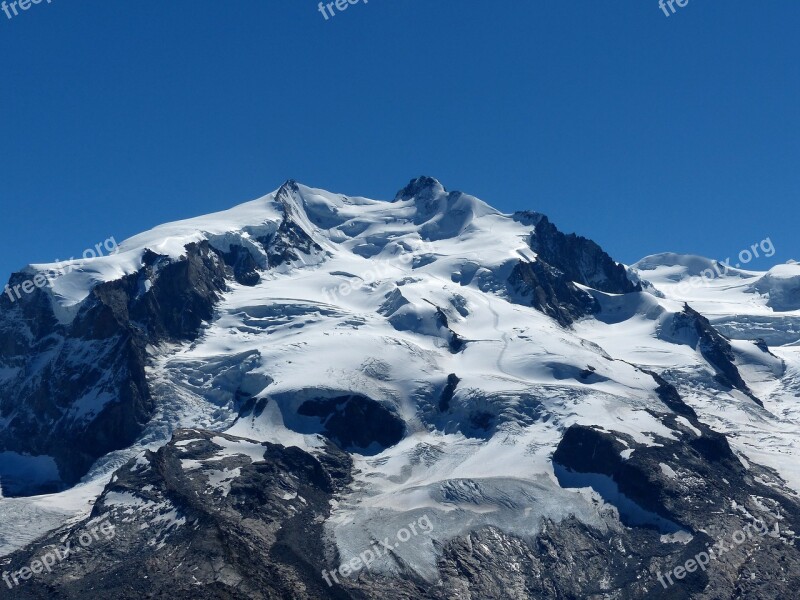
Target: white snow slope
361	317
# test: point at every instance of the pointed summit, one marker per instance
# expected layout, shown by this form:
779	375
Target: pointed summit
288	186
287	193
422	188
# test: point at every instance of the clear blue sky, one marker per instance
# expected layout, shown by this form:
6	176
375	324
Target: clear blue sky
644	132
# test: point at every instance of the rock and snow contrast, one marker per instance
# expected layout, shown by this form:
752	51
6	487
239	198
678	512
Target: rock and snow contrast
258	396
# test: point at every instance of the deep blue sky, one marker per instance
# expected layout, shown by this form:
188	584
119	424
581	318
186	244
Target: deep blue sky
643	132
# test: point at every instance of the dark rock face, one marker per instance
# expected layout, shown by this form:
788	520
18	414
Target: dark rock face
86	393
181	298
562	261
692	482
550	292
421	188
454	341
587	450
199	520
570	560
669	395
38	402
243	265
356	422
580	259
290	241
714	347
89	395
567	560
448	392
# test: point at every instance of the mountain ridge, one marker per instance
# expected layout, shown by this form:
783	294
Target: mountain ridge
465	359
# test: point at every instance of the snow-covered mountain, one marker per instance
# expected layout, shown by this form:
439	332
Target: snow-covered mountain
257	396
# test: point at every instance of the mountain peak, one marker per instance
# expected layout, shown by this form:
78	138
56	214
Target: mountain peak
289	357
288	186
423	187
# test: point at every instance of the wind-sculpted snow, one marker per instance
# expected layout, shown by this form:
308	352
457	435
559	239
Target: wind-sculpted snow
427	356
781	285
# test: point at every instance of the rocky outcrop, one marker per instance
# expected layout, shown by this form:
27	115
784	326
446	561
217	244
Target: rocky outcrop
581	260
207	516
562	261
216	516
549	291
291	240
78	389
669	395
692	328
696	483
448	392
86	394
355	423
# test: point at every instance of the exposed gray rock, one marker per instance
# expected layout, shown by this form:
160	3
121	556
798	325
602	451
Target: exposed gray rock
581	260
197	520
550	291
690	327
562	261
355	423
80	390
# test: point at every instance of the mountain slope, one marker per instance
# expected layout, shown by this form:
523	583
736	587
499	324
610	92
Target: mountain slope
363	365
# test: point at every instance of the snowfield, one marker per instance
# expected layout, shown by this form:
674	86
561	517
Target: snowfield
404	304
